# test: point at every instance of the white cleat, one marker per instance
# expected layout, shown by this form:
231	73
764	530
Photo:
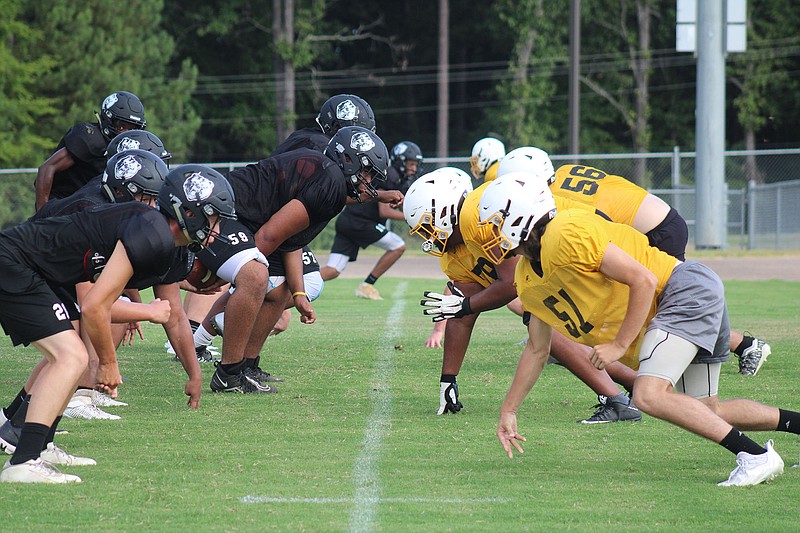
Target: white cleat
82	407
755	469
56	456
35	471
100	399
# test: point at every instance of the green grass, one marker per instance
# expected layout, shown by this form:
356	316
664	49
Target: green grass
352	442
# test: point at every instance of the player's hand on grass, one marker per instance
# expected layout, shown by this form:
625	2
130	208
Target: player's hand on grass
193	390
507	433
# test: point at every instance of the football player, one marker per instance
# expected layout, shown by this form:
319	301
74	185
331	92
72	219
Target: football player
442	211
126	244
602	284
81	153
486	156
627	203
362	225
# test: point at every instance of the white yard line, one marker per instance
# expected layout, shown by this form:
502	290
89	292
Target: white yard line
268	499
366	473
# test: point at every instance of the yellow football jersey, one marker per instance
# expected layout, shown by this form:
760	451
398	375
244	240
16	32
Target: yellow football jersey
571	294
613	195
460	265
491	172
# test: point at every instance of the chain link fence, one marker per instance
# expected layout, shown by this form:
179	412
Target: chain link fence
763	196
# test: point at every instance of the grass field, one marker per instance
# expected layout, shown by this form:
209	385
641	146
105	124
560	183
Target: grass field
352	443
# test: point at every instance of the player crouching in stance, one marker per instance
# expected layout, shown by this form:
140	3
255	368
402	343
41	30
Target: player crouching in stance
578	272
125	244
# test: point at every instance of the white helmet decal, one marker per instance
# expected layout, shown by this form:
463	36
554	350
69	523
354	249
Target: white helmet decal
400	149
362	142
127	167
346	110
128	144
197	187
110	100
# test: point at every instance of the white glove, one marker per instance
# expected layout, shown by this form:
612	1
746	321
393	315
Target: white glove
441	306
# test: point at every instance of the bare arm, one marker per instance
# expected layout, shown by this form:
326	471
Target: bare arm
500	292
290	219
58	162
384	211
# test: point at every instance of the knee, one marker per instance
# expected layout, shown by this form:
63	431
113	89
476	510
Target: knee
647	398
254	276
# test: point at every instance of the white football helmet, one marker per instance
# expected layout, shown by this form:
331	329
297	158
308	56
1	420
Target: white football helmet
432	204
528	159
485	152
513	204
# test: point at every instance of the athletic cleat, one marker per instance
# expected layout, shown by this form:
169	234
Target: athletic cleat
9	437
35	471
56	456
100	399
755	469
618	408
205	355
368	291
753	357
82	407
244	382
448	398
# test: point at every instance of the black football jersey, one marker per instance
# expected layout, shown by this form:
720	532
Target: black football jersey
263	188
90	195
75	248
87	146
311	138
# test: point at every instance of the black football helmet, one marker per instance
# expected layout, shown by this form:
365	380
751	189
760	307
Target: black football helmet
356	149
138	140
118	108
406	151
345	110
193	193
133	172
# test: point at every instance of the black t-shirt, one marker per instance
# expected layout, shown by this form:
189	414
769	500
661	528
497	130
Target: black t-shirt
90	195
87	146
311	138
75	248
263	188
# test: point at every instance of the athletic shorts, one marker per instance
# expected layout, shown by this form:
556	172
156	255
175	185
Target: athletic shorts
692	306
354	233
29	310
225	259
310	263
667	356
671	235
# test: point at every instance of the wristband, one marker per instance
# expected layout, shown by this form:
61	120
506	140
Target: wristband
299	293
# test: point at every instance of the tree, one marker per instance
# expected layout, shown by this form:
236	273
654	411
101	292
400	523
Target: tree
21	107
98	48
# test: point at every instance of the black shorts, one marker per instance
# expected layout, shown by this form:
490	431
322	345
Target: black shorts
239	239
276	268
671	235
354	233
69	297
29	310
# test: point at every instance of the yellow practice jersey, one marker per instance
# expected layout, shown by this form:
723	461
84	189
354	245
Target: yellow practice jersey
613	195
491	172
467	262
571	294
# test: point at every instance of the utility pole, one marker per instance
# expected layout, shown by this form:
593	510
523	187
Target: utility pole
443	80
574	76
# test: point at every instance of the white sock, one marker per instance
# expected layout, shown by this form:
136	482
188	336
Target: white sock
202	337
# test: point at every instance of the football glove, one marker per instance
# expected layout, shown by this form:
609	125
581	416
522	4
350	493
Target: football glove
448	398
441	306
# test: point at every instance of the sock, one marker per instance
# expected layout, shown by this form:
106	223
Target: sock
52	433
31	443
621	398
15	404
202	337
745	344
789	422
18	420
194	325
252	362
736	441
370	279
234	368
448	378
